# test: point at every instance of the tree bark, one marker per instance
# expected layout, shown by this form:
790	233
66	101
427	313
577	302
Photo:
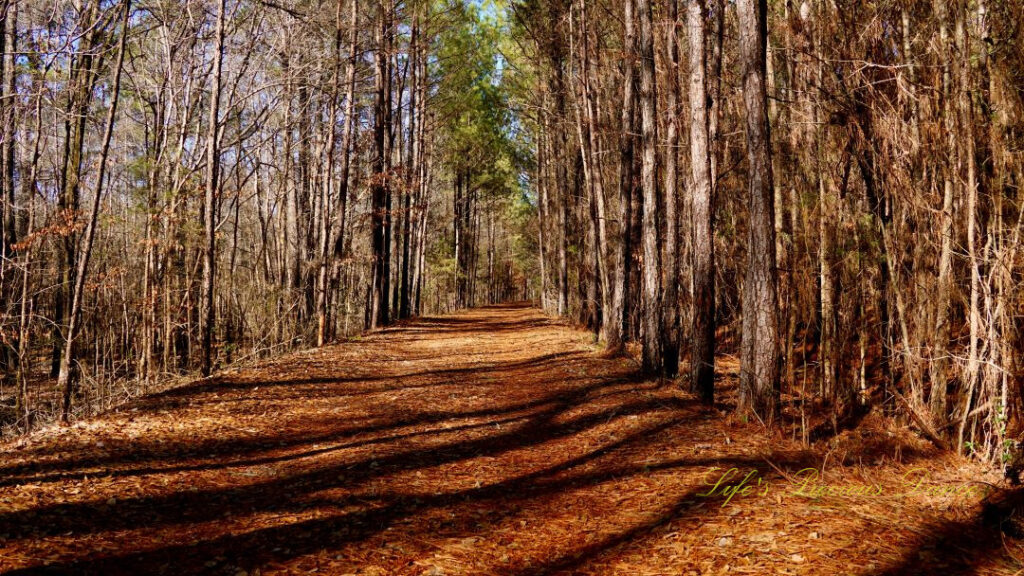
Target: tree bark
617	317
973	368
323	287
670	244
8	132
209	215
66	376
598	207
378	313
942	333
412	159
702	361
542	203
759	355
339	250
651	361
83	73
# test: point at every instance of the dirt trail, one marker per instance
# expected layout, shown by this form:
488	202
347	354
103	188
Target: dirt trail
490	442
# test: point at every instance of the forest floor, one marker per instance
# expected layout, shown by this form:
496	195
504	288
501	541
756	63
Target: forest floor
495	441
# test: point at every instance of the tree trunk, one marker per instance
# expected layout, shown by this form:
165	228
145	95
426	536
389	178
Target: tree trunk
560	156
24	332
595	308
65	378
412	159
826	289
702	360
670	244
8	132
384	309
322	296
209	215
378	314
83	73
651	362
542	202
597	194
973	368
759	356
942	334
346	146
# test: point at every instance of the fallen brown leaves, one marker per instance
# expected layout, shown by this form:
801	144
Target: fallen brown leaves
490	442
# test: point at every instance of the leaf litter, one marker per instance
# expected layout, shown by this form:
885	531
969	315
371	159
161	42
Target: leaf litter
494	441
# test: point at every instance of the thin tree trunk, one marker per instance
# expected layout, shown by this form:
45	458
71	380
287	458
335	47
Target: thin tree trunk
346	149
942	332
83	73
65	378
412	158
584	129
24	333
714	87
651	362
619	313
206	306
384	310
542	201
323	287
424	212
420	185
670	244
598	205
702	360
8	131
560	156
378	297
826	291
973	368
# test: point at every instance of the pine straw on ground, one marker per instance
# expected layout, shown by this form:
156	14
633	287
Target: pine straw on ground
495	441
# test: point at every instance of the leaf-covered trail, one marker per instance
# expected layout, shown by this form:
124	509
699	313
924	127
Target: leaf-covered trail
495	441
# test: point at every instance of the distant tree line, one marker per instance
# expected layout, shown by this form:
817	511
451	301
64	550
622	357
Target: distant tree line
187	183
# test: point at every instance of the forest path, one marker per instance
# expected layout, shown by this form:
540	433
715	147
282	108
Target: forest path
495	441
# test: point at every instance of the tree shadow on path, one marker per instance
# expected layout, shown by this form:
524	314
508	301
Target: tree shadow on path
352	475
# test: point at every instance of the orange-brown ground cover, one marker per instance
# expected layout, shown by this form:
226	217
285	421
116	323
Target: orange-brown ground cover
490	442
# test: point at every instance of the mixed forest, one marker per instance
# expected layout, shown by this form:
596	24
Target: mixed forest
820	196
